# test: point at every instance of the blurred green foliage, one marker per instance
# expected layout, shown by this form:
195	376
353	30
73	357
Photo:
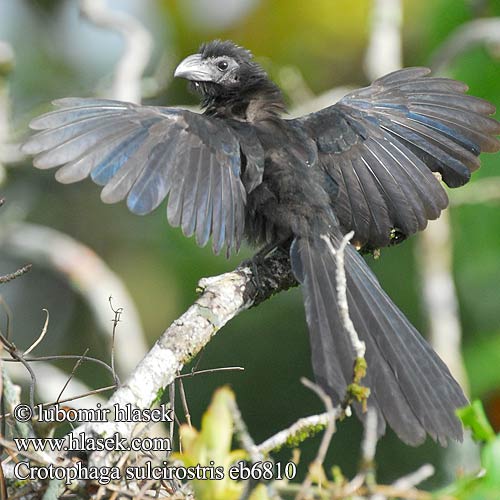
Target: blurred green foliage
486	485
58	54
211	447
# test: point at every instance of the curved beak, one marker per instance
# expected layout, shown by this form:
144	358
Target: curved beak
194	68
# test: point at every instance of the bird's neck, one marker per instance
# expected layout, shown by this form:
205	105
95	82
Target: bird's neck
254	104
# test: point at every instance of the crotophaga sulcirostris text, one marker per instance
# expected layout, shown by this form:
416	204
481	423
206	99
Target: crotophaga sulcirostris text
365	164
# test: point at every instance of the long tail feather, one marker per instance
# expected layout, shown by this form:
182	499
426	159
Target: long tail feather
411	388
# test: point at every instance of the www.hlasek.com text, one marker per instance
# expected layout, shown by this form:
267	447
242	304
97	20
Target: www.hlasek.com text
90	443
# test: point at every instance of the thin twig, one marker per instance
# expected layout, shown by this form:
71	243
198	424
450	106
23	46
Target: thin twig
210	370
59	357
12	276
316	467
88	275
118	313
185	406
18	356
242	434
415	478
368	449
42	333
302	428
341	282
73	371
72	398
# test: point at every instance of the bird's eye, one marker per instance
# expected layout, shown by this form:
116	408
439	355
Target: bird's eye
222	65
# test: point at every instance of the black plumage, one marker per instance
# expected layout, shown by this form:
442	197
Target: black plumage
240	170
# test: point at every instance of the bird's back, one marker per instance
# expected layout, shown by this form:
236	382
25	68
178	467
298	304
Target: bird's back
295	193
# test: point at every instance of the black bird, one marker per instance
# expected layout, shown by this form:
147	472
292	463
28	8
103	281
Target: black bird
366	164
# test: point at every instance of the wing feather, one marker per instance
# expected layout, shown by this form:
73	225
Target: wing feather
80	168
382	143
193	183
204	209
145	153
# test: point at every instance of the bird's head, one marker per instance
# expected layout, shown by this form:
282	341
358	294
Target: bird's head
222	71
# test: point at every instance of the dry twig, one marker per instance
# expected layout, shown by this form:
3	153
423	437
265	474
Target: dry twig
12	276
243	436
316	466
358	346
42	333
87	273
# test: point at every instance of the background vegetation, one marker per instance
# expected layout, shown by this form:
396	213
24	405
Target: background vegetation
58	54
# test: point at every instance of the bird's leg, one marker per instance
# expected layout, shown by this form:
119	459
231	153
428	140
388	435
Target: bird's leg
266	250
262	254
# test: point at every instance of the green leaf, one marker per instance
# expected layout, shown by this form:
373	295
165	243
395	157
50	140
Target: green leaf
217	425
211	447
491	462
474	418
486	484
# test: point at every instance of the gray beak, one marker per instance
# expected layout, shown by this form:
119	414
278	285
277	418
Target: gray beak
195	69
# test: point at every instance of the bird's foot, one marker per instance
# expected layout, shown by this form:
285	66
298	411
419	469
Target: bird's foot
254	262
258	259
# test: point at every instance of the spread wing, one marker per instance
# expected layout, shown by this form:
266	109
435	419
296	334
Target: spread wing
143	154
381	144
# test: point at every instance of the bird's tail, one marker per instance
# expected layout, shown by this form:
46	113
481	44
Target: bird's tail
410	386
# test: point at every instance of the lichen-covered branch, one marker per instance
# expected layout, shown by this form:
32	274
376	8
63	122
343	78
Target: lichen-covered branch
222	297
358	346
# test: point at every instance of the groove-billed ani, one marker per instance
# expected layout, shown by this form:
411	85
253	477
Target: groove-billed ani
241	170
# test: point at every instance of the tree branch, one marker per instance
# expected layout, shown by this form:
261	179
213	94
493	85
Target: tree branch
222	297
477	32
384	53
358	346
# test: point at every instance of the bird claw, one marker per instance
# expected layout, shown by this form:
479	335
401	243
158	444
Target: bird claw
258	259
253	264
